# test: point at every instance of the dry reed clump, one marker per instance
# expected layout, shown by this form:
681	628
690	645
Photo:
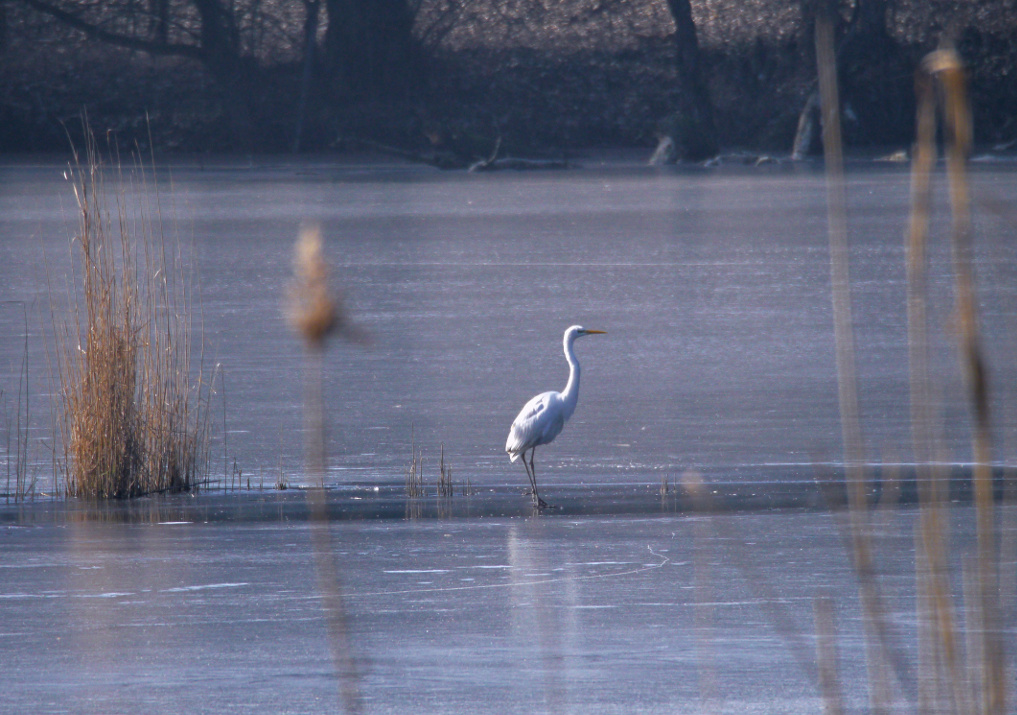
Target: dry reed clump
415	472
132	423
446	487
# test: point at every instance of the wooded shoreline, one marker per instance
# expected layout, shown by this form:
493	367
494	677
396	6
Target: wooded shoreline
463	78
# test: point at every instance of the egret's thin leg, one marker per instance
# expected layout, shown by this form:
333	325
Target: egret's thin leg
530	476
527	468
529	473
537	501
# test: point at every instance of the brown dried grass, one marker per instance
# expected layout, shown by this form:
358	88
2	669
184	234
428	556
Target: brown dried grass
132	421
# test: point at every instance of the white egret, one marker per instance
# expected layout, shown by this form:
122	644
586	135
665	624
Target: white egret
544	416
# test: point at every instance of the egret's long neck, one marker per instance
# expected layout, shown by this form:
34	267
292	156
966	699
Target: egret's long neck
571	392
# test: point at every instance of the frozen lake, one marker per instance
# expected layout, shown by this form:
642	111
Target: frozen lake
713	285
209	605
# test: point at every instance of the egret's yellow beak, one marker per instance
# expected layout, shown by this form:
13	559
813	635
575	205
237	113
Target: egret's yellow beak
594	332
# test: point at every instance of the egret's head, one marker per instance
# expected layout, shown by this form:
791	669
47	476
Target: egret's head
578	331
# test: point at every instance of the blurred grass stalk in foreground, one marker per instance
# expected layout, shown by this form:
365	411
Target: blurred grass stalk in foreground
986	677
949	679
316	315
880	640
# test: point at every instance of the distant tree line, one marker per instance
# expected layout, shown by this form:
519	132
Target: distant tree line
275	75
366	51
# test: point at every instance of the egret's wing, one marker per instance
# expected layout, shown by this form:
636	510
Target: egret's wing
539	422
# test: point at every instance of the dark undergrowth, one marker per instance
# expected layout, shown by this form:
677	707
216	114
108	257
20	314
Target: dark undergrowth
546	82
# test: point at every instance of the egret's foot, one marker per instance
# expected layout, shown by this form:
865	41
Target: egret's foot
539	503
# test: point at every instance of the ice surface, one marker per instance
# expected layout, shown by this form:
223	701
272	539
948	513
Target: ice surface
713	287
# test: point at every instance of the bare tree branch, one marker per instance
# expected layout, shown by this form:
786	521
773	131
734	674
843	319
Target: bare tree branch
115	38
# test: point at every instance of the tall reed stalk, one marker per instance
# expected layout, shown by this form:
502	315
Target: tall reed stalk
22	486
954	675
978	675
133	423
316	314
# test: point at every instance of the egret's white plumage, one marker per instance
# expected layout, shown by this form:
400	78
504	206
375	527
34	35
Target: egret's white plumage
544	416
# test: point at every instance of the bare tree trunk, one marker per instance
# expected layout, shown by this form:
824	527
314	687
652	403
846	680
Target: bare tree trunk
874	76
3	27
313	9
220	53
694	132
370	50
159	23
808	125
